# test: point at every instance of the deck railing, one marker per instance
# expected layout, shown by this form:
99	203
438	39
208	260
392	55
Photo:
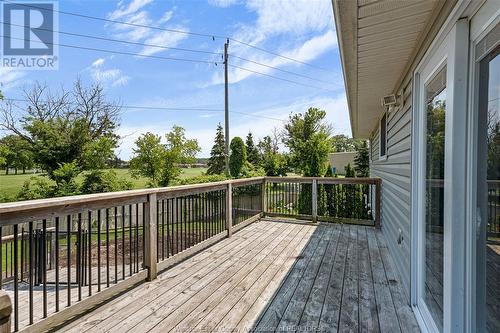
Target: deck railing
62	256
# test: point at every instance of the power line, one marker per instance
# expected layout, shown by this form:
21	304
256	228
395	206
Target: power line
116	40
279	69
147	107
279	78
279	55
162	47
170	58
116	52
137	25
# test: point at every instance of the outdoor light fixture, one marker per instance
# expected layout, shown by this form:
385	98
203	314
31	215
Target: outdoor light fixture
389	100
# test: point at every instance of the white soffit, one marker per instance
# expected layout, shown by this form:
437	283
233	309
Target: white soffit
377	38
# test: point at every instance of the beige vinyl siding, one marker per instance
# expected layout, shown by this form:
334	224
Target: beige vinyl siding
395	171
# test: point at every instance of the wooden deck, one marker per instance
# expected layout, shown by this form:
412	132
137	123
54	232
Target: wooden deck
270	276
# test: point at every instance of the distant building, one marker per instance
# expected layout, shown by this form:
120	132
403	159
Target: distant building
338	161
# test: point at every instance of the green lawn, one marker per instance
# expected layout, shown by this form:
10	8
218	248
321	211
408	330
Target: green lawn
11	184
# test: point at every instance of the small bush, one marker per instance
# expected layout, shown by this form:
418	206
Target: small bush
201	179
99	181
37	188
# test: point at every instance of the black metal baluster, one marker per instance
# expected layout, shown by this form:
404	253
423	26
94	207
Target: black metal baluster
163	230
168	233
44	262
79	257
107	247
131	253
90	253
123	242
177	225
57	262
158	230
116	244
22	252
30	280
137	237
16	286
68	226
98	250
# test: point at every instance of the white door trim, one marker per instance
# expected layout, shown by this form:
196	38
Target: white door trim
452	51
487	17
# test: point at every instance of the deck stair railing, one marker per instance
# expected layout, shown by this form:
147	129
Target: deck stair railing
63	256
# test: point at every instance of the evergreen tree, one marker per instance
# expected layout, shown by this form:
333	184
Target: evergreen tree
238	157
252	152
217	160
362	161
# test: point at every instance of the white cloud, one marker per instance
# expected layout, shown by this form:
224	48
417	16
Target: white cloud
10	78
113	77
222	3
163	38
136	13
305	52
123	10
300	29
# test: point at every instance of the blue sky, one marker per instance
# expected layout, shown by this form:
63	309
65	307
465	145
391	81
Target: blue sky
301	29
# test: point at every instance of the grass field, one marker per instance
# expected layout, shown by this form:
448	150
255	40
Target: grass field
11	184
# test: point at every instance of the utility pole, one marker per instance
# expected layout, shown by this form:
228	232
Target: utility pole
226	106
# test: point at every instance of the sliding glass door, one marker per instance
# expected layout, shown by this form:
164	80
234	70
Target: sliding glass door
487	248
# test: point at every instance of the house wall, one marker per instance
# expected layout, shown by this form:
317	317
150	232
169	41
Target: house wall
395	171
395	168
339	161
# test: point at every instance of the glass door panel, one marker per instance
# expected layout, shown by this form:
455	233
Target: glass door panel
488	196
435	100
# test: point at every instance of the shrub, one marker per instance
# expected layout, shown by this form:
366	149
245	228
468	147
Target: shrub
98	181
37	187
201	179
238	157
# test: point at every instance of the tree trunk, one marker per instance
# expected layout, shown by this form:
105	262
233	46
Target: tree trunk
15	171
7	170
24	170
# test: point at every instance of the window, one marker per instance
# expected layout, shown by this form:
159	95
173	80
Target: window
383	136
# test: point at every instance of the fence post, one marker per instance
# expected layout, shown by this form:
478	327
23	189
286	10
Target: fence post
229	209
378	201
263	198
5	312
151	252
314	195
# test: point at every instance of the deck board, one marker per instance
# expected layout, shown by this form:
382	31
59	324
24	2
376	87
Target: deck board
270	275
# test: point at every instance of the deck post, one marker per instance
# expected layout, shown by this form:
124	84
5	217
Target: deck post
314	195
151	252
5	312
229	209
378	202
263	198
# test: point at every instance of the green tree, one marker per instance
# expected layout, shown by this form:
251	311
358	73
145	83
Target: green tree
308	137
271	160
343	143
66	128
238	157
16	153
217	160
179	150
362	160
148	160
252	151
160	162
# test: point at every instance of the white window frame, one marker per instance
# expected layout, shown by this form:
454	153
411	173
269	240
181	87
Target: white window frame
384	156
